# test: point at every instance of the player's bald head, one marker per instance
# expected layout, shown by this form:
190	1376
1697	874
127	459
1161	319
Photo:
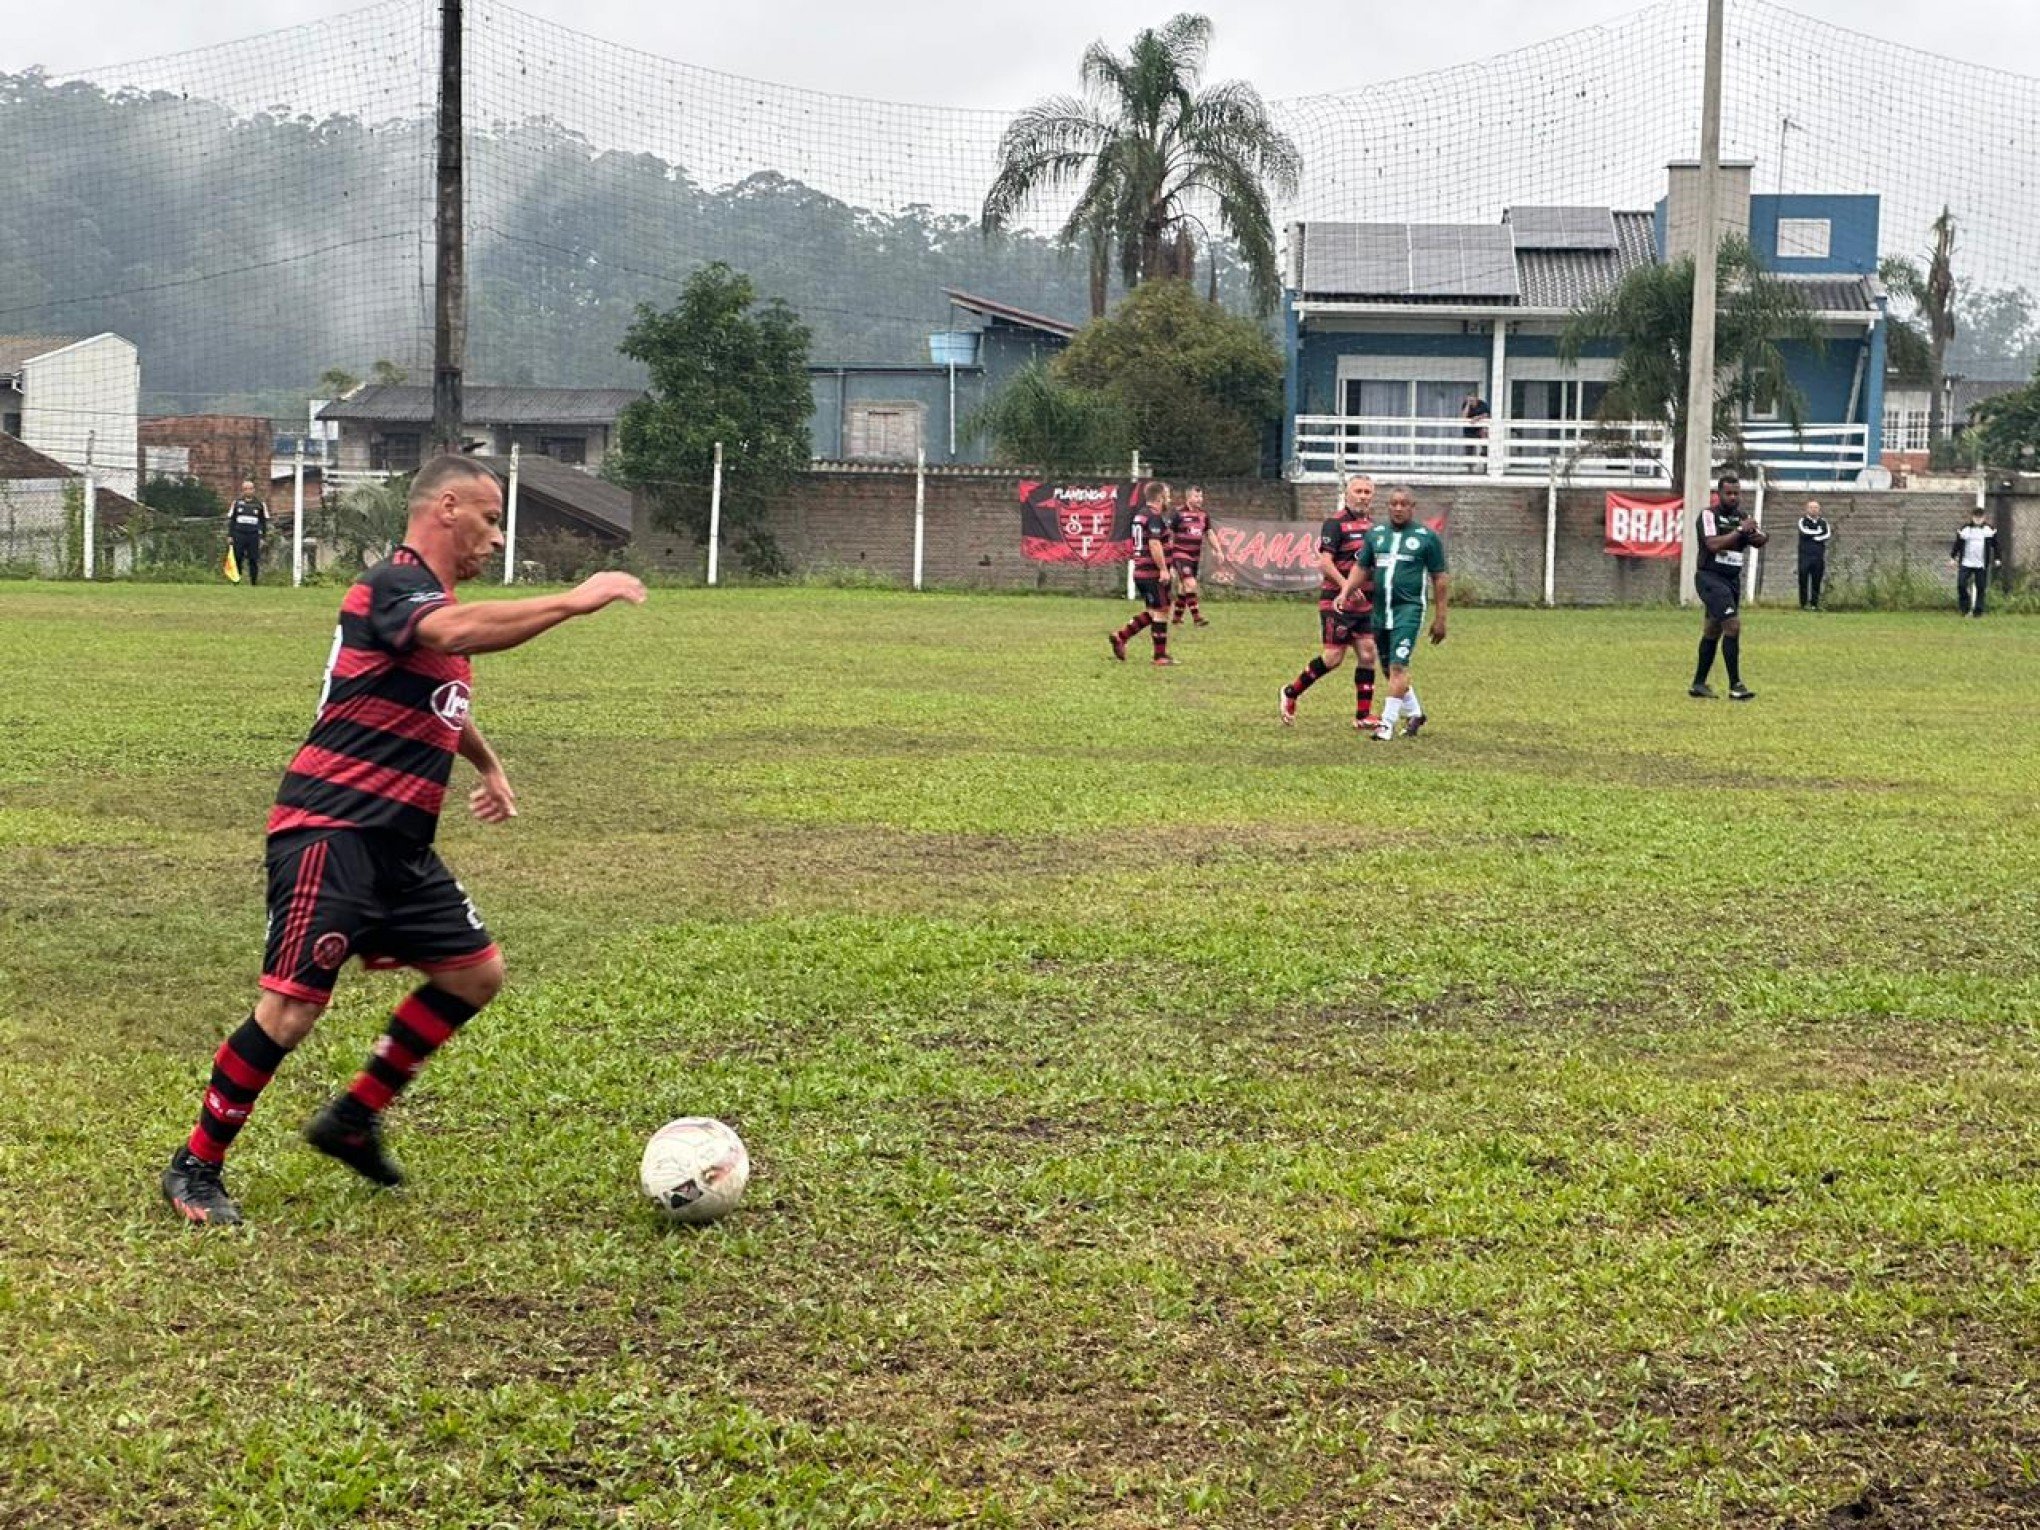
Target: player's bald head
448	471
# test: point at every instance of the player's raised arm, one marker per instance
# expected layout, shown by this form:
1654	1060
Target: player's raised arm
491	626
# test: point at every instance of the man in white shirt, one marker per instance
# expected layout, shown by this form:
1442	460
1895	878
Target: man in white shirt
1971	555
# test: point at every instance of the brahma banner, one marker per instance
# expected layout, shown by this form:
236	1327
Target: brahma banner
1263	555
1083	523
1644	525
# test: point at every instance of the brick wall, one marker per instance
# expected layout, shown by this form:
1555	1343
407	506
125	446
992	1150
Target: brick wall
225	448
864	521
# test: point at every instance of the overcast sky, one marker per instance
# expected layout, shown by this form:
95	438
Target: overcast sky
1001	54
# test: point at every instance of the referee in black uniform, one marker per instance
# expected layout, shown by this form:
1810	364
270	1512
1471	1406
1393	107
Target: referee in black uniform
1725	536
1814	532
247	521
1971	555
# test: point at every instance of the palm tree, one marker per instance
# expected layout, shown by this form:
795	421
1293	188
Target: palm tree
1148	150
1650	316
1925	355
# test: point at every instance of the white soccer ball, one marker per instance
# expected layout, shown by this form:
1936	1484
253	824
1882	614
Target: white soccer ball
695	1169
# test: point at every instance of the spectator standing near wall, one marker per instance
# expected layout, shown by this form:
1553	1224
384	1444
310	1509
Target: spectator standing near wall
1972	555
1814	535
247	523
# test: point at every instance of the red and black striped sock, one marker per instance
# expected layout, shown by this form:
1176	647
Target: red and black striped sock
1313	672
1196	615
246	1061
1160	633
419	1026
1176	611
1141	619
1363	691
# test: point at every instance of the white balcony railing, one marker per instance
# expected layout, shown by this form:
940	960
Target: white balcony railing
1330	446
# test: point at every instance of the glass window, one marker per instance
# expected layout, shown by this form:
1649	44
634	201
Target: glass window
1803	238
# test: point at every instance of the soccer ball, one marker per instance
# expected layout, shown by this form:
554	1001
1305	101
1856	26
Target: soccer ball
694	1169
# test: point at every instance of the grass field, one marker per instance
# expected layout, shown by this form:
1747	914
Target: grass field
1609	1109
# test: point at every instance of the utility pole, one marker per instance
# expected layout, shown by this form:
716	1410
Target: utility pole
1700	353
449	288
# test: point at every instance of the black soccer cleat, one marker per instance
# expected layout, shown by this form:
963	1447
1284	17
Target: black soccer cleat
193	1189
1412	724
1703	692
1118	646
348	1131
1741	692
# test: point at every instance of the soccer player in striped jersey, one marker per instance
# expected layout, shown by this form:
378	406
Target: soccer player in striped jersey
1187	528
351	867
1343	610
1151	575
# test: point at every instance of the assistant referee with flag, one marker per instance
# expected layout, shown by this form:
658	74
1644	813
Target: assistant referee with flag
247	521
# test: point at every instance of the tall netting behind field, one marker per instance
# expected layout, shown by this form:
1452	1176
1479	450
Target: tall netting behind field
256	213
249	214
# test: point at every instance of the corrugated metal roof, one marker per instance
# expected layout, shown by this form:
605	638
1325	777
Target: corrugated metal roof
15	349
581	495
408	405
989	309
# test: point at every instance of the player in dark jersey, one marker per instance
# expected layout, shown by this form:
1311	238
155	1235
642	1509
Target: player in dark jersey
1342	623
1187	528
351	866
1726	534
1151	574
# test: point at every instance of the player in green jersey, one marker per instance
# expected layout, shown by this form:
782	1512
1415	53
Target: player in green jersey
1405	556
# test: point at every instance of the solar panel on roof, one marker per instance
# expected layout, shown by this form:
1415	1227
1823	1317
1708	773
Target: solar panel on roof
1370	259
1562	228
1462	260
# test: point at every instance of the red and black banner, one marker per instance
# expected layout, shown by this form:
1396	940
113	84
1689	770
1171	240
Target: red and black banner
1084	523
1643	525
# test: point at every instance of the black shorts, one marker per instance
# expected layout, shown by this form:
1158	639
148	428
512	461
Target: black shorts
1338	628
1152	593
1720	594
1184	570
349	892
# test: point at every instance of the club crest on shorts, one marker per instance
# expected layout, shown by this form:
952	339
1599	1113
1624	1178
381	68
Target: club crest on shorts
329	951
451	704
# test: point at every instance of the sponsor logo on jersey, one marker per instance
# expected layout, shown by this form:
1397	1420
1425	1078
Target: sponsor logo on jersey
451	703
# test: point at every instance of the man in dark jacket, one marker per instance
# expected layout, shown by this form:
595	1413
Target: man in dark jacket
247	520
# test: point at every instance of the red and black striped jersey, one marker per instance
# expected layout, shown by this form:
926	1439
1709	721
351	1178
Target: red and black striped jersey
1341	536
1186	535
390	716
1149	526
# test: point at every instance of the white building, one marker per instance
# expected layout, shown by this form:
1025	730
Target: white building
77	399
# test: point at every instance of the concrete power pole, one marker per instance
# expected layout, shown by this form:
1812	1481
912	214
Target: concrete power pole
1700	354
449	289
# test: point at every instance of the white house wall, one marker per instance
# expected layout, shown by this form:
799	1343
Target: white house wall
86	396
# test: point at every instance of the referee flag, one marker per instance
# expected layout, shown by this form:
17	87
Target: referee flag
230	568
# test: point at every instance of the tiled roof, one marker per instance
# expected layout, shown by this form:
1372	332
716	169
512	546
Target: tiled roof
1575	278
19	460
409	405
1834	294
15	349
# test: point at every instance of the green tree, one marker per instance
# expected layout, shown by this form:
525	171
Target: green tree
387	374
186	498
2005	431
366	524
1997	332
1196	385
1918	341
726	368
1037	420
1649	316
1149	151
337	382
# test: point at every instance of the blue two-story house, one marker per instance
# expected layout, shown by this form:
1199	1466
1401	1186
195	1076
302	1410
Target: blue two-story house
1393	328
